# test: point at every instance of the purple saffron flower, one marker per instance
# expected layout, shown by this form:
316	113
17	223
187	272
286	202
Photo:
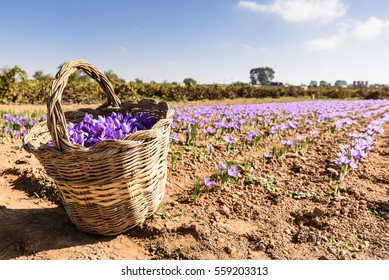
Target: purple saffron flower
293	124
353	164
175	137
289	143
250	135
344	147
363	154
284	126
209	131
267	155
233	171
342	159
7	129
126	128
22	121
355	154
88	118
210	148
208	183
310	122
221	166
7	118
301	137
147	121
229	139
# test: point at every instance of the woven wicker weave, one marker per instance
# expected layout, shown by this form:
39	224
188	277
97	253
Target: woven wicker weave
116	184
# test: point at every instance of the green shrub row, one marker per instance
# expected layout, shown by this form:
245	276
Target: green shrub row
87	92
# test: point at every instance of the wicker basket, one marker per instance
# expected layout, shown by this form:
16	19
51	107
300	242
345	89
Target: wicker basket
116	184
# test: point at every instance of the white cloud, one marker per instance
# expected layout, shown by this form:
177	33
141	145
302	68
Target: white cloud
172	62
247	47
300	10
360	30
331	42
369	29
325	44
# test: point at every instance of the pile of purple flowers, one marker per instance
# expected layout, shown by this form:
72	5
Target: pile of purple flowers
89	131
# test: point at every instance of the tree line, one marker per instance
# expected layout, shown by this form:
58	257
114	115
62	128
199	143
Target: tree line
15	87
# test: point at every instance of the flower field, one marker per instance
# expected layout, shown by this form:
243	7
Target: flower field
294	180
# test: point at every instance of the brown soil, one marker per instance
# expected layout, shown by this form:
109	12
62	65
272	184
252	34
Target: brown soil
299	214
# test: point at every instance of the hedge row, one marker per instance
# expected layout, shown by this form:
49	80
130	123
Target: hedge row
87	92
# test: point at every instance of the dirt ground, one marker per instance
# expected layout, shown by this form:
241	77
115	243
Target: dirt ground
300	214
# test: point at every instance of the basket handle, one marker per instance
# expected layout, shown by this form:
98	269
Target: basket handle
56	121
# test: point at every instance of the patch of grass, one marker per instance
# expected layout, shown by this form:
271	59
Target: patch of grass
382	212
270	184
300	194
333	192
340	244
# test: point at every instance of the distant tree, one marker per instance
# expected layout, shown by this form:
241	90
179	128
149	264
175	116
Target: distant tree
39	76
324	84
9	76
313	83
113	77
262	75
340	83
189	82
138	81
8	79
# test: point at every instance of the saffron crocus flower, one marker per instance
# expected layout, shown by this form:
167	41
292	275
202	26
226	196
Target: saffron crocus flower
267	155
208	183
210	148
289	143
174	137
344	147
233	171
342	159
221	166
250	135
353	164
310	122
209	131
301	137
229	139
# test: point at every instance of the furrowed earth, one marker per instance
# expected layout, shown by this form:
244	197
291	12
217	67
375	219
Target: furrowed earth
289	209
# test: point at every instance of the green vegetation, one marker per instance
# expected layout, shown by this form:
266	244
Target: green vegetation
15	87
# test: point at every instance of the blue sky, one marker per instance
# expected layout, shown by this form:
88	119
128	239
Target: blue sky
214	41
